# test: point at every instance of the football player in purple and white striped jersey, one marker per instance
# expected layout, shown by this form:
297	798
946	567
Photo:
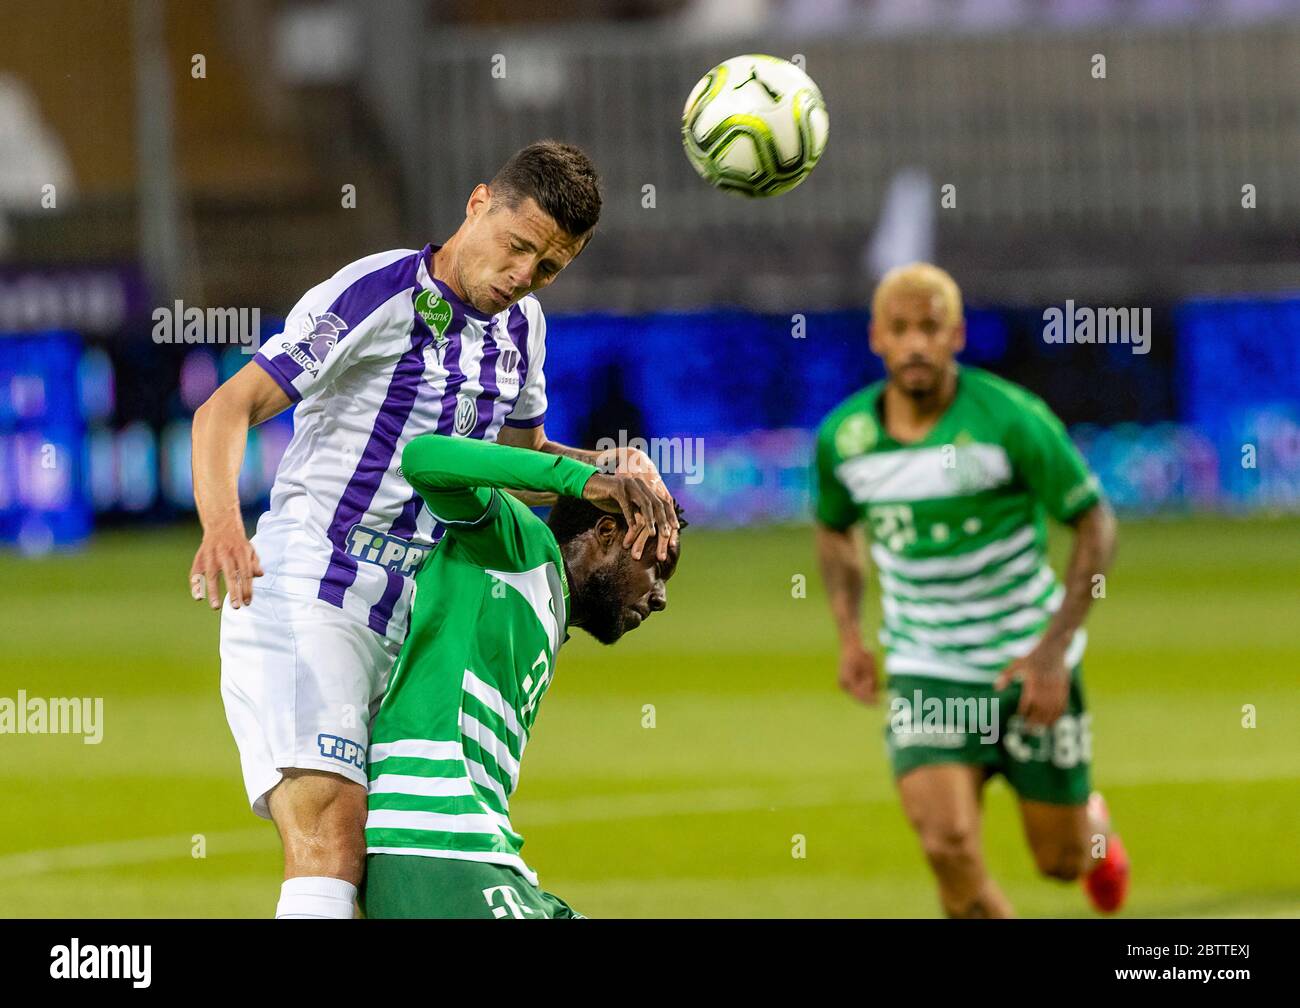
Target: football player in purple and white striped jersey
446	339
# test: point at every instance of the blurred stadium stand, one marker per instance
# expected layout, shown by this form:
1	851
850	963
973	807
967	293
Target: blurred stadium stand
1123	191
1115	188
1066	185
261	161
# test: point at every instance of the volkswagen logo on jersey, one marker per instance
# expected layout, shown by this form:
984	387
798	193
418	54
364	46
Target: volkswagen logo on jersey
466	414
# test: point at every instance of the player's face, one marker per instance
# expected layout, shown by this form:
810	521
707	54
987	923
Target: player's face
917	341
622	592
507	253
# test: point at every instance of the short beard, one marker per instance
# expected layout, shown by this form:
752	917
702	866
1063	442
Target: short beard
597	608
919	392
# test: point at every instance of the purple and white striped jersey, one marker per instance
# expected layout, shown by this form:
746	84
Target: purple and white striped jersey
376	355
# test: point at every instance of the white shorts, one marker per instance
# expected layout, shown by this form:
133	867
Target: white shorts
301	681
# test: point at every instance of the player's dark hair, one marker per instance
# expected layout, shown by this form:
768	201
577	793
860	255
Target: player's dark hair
572	516
560	177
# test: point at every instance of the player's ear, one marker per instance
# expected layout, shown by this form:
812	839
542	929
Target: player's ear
959	337
607	531
479	200
586	240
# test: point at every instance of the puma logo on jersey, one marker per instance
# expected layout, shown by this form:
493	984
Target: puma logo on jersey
433	356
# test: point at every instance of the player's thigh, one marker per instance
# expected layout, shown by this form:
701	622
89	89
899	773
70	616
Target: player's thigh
1058	836
1051	765
300	679
412	886
916	739
942	801
939	768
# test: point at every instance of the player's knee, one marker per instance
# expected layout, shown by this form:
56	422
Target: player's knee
951	850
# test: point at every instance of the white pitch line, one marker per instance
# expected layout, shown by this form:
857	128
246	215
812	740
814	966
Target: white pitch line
116	854
147	850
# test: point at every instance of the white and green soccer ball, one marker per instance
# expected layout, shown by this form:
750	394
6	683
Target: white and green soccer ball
755	125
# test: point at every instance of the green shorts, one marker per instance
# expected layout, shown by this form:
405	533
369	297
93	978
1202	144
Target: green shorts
931	721
407	885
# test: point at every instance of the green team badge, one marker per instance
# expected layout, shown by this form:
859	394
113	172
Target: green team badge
855	435
436	312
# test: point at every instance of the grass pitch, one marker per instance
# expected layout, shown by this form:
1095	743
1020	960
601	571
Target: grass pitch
752	745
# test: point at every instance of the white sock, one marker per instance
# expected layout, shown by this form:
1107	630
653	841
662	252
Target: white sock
315	897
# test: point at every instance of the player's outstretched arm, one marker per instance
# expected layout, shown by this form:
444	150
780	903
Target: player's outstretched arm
625	461
218	435
455	477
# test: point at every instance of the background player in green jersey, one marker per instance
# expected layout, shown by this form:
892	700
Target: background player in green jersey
954	472
493	604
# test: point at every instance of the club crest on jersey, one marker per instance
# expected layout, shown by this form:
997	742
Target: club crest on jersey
317	335
466	414
509	368
855	435
974	469
436	313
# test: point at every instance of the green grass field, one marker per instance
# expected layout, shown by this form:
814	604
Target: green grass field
752	744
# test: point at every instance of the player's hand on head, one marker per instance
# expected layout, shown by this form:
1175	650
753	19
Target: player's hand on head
224	553
641	534
656	518
644	511
858	673
627	461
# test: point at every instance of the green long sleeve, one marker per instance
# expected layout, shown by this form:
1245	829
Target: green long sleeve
455	476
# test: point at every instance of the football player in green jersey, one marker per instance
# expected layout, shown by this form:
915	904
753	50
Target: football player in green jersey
953	472
493	604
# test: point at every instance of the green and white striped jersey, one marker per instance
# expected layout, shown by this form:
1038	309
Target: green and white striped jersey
490	613
957	522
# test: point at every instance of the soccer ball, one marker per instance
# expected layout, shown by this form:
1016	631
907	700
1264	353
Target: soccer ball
755	125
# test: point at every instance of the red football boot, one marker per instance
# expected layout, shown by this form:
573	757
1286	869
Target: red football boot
1107	883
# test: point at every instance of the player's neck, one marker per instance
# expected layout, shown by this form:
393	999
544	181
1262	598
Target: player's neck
443	267
910	417
575	576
